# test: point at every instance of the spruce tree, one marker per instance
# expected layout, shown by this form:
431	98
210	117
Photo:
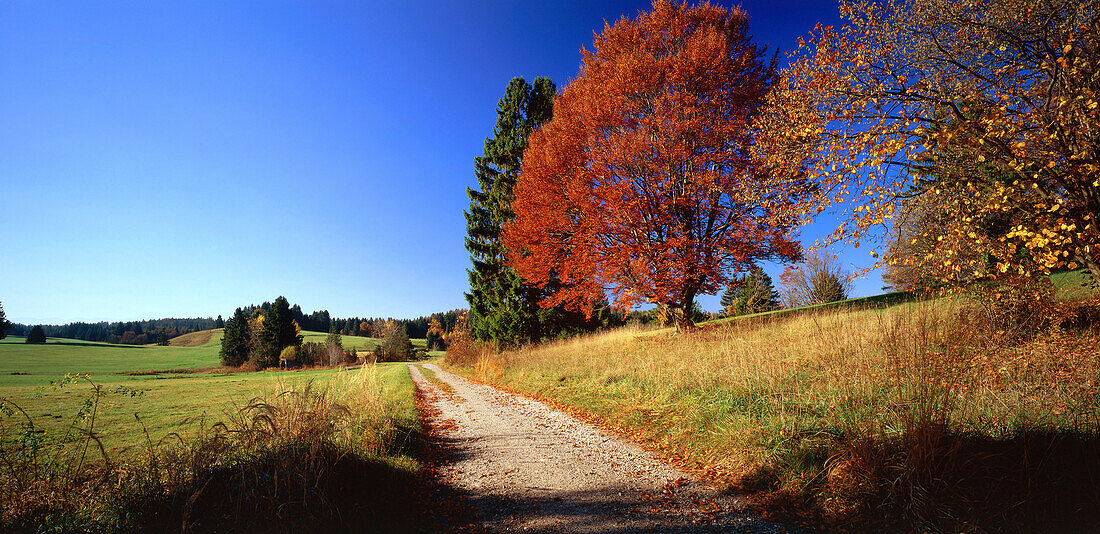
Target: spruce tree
4	324
503	310
755	294
278	333
235	339
37	335
729	297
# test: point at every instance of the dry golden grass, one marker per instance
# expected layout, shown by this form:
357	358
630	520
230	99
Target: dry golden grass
794	406
194	339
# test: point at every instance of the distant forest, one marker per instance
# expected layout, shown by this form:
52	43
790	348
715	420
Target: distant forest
161	330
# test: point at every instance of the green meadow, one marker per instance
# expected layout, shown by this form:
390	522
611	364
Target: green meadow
150	391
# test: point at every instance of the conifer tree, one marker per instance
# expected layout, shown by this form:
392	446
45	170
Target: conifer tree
729	296
757	294
4	324
235	339
503	310
279	332
37	335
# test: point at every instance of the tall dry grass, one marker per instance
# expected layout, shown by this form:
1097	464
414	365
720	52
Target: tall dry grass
300	456
912	414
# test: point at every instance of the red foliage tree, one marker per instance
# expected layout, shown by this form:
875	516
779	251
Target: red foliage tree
642	186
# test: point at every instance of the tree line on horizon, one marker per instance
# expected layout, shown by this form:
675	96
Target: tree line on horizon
270	334
161	330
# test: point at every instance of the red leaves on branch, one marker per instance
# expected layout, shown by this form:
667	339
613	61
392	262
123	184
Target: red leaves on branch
642	186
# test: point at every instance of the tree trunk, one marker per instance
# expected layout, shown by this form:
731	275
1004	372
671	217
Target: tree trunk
1094	268
681	315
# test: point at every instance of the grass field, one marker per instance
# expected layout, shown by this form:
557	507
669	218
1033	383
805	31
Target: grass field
305	449
166	401
917	412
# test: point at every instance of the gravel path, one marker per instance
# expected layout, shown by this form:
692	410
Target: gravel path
526	467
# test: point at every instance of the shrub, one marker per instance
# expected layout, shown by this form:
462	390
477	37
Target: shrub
462	349
817	280
289	354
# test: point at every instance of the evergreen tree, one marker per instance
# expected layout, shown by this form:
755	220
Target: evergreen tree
278	333
235	339
4	324
37	335
755	294
219	323
729	296
503	310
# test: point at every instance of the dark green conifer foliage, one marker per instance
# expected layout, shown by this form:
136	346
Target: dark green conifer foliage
752	294
278	333
4	323
503	310
235	339
729	296
37	335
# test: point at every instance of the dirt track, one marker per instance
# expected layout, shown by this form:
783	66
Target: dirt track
523	466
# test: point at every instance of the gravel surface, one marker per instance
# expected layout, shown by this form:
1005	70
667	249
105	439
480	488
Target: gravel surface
524	466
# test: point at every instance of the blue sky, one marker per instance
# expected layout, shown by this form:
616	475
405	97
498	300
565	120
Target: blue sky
164	159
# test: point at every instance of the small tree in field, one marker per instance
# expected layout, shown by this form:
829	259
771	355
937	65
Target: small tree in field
37	335
817	280
396	346
642	185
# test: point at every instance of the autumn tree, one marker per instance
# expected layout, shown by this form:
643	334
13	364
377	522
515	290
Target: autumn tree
435	334
396	346
642	186
503	310
984	110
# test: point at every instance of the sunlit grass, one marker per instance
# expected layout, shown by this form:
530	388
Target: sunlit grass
782	401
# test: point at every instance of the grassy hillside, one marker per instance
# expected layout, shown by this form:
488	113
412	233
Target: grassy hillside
919	414
356	342
23	364
197	339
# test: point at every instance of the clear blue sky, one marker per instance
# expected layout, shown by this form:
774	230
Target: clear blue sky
181	159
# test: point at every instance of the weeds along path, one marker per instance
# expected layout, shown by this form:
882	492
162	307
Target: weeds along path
523	466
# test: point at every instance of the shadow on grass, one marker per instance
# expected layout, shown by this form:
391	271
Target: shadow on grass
934	480
78	343
355	496
300	488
